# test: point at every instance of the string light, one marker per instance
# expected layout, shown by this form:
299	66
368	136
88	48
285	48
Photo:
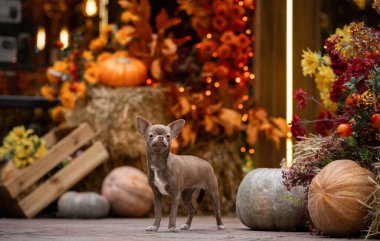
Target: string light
252	76
216	84
241	3
64	37
248	31
90	8
250	54
245	18
193	107
41	38
208	93
209	36
238	80
289	135
251	151
149	81
245	97
215	54
245	68
243	149
244	118
181	89
240	106
208	80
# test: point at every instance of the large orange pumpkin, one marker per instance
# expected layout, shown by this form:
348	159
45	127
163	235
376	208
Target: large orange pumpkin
128	192
334	195
119	70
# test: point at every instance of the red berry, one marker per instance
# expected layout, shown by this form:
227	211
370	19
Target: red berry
344	130
375	120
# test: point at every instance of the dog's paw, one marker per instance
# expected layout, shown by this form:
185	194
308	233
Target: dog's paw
173	230
152	228
221	227
184	227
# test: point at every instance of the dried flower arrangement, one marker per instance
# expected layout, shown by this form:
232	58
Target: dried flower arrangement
348	78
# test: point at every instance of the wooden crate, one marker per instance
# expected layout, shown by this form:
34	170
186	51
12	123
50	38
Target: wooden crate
26	194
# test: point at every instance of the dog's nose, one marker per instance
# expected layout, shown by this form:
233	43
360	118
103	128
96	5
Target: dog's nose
160	138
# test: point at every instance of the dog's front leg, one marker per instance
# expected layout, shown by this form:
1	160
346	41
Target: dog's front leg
173	211
157	210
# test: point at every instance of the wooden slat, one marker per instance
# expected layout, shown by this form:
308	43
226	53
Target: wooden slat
50	138
56	154
63	180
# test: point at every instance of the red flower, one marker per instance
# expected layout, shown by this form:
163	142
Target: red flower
297	129
219	23
301	97
324	124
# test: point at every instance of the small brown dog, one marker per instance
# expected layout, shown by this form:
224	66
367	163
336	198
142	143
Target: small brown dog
175	175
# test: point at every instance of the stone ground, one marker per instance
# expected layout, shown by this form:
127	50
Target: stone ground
203	228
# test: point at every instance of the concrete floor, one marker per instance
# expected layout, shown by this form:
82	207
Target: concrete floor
203	228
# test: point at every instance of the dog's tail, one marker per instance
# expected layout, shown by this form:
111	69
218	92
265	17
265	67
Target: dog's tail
201	196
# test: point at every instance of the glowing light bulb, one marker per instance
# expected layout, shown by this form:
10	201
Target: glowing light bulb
209	36
238	80
181	89
90	8
252	76
193	107
243	149
41	38
216	84
251	151
64	37
208	93
240	106
149	81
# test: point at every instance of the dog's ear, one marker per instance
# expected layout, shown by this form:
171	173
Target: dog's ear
176	127
142	124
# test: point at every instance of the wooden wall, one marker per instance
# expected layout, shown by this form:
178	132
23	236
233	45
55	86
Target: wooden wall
270	63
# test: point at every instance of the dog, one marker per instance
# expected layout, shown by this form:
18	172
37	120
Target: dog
175	175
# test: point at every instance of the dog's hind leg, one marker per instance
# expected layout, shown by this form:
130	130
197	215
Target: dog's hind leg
214	194
187	201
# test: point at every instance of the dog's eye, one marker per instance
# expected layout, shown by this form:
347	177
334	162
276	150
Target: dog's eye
151	135
168	136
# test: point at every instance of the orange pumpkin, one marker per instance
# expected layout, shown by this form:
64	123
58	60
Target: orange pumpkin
334	196
128	192
119	70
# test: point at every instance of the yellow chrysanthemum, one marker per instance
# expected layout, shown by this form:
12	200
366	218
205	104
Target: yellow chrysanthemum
41	151
87	55
324	77
343	45
326	60
309	62
104	33
91	75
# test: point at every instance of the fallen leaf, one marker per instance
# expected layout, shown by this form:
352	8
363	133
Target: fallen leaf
188	135
156	69
230	120
170	47
252	131
181	108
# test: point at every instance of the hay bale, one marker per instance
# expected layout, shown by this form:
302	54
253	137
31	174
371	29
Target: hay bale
111	113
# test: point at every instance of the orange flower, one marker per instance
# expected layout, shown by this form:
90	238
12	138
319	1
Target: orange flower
128	16
66	87
81	89
124	35
228	37
48	92
61	66
57	114
224	51
237	11
207	48
219	23
228	3
91	75
97	44
243	41
67	99
87	55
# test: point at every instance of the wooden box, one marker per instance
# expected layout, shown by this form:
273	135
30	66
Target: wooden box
30	191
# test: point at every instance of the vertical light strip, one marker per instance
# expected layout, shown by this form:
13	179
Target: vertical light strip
289	77
103	14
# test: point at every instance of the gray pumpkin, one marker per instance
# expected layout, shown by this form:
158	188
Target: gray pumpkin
82	205
263	203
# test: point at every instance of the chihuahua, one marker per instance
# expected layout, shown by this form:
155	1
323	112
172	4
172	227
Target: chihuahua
174	175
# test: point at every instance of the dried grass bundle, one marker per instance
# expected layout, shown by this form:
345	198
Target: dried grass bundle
373	205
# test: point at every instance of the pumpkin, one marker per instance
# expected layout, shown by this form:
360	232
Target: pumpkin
119	70
334	194
263	203
128	192
82	205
